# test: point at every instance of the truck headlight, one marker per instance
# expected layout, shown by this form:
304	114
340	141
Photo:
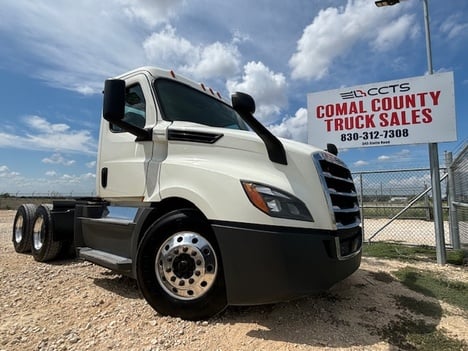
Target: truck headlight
276	203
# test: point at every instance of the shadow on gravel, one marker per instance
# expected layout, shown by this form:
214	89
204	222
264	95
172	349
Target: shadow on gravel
118	284
68	262
365	309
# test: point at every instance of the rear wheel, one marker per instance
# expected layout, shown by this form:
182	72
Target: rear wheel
44	248
179	269
22	228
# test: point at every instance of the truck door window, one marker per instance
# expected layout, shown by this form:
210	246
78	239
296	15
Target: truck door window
135	108
180	102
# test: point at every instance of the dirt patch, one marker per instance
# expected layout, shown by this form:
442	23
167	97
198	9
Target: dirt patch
75	305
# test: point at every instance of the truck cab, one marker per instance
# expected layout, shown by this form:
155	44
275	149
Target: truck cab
218	211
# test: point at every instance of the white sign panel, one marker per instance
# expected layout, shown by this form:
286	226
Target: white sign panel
405	111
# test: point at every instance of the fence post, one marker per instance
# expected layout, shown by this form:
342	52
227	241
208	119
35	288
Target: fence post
361	205
427	204
453	222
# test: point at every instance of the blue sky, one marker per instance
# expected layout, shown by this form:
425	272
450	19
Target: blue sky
56	54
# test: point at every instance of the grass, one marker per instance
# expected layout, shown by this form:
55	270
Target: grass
431	284
410	253
408	334
383	277
416	306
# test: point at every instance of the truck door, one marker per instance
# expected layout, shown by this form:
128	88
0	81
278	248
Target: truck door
122	161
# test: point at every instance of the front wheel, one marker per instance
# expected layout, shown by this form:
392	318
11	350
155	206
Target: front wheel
179	269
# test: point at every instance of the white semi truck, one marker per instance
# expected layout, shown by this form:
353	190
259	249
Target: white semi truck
201	204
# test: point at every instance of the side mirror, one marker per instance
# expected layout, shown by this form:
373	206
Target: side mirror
331	148
113	108
243	102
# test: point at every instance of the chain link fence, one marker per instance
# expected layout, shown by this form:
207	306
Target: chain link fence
397	206
458	172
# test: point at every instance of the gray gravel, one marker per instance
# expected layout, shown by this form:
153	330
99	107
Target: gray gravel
75	305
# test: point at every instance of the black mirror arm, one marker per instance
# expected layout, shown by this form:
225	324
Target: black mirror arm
141	134
275	148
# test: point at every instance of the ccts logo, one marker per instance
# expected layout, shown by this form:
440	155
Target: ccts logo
383	90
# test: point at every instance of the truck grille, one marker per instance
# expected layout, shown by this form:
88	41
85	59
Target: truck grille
341	192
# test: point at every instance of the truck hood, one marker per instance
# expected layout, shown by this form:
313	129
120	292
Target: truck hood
233	139
223	157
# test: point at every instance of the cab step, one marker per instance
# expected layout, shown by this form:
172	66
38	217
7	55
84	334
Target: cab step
105	259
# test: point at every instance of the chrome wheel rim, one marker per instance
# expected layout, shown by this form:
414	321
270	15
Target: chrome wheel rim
186	266
19	230
38	235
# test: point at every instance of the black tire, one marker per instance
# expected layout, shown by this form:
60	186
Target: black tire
179	268
22	228
43	247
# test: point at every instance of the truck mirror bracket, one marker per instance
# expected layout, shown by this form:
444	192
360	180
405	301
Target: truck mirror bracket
245	106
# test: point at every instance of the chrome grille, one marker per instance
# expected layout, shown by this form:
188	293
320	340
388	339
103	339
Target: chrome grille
339	187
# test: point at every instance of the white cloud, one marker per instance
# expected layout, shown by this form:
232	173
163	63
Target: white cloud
403	152
395	32
6	173
76	45
453	27
400	156
294	128
360	163
201	62
41	125
149	11
216	60
166	47
58	159
383	158
52	183
91	164
76	179
334	31
266	87
88	176
43	135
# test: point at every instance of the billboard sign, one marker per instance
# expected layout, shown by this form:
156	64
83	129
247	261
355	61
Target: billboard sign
405	111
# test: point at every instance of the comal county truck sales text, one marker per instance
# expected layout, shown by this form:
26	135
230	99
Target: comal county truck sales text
391	111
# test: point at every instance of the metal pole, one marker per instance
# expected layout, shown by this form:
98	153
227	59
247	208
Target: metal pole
428	37
362	206
434	161
454	229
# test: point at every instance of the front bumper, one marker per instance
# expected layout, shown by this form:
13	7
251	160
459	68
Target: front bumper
266	264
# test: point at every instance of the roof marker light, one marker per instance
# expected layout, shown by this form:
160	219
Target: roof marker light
203	86
211	91
219	95
172	74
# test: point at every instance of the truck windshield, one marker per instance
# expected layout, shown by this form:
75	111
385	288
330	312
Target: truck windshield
180	102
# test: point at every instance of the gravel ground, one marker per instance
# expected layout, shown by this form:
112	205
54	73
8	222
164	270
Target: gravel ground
405	231
75	305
